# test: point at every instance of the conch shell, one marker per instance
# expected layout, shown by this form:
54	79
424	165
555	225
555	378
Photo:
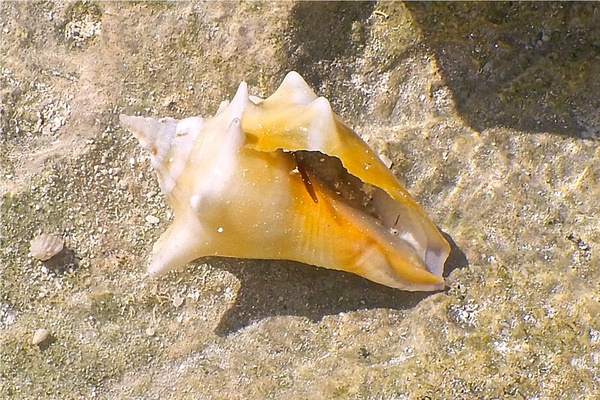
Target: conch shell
246	183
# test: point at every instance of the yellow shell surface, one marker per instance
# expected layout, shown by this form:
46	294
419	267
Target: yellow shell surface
238	188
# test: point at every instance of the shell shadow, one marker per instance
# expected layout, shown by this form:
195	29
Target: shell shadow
526	66
292	288
65	260
46	343
311	53
457	258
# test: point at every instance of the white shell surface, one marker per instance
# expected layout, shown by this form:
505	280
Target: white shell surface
44	246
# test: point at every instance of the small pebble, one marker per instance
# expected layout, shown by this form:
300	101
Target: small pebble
40	336
150	331
43	247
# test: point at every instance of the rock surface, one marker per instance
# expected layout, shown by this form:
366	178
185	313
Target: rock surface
489	113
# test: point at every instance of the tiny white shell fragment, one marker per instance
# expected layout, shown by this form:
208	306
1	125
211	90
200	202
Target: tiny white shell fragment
40	336
152	219
43	247
386	160
177	301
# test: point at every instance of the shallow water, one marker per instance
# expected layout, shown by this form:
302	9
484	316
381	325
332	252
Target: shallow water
488	111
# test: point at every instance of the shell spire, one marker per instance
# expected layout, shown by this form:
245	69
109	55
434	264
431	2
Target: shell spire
243	184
